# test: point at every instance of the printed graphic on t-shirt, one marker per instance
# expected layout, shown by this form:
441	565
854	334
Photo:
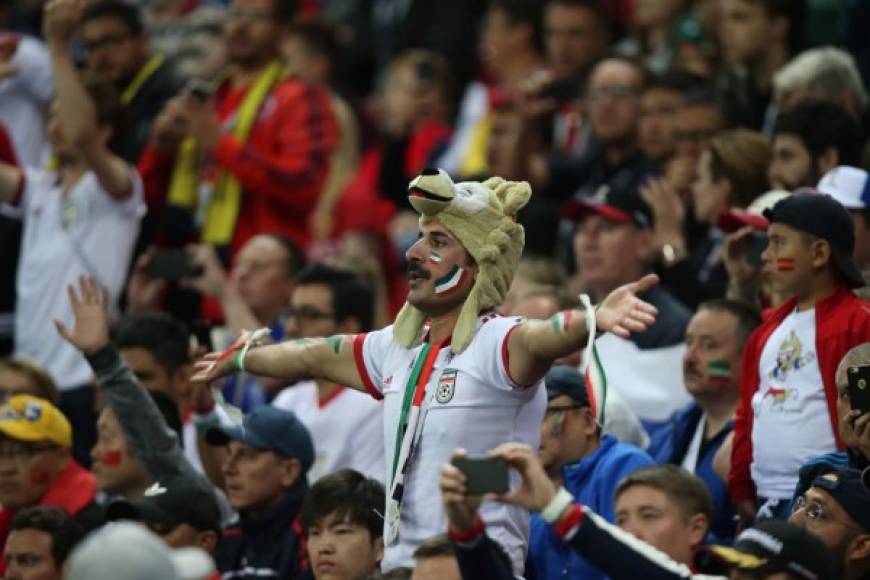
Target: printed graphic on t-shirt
446	385
789	357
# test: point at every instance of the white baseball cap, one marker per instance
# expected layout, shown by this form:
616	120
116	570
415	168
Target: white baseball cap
848	185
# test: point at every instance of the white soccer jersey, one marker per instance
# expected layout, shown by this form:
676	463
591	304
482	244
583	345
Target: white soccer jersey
82	232
476	406
347	429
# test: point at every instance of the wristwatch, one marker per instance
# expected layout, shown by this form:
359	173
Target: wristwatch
671	255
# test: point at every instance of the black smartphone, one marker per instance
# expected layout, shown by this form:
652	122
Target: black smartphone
755	245
859	388
173	265
484	474
199	88
562	90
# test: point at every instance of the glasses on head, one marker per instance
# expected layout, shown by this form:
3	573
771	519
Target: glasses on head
23	451
308	313
110	41
560	408
815	511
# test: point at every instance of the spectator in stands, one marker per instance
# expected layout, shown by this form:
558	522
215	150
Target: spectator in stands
139	430
253	295
39	541
79	219
510	48
852	424
825	73
809	140
117	50
21	376
730	173
665	511
851	187
612	243
662	106
265	466
36	468
347	425
310	50
178	510
613	96
757	38
788	391
341	517
576	36
578	457
267	170
836	509
435	559
700	120
711	372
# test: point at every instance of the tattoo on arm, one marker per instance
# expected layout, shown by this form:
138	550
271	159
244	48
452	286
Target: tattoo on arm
335	342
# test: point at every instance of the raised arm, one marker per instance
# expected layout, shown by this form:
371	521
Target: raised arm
75	110
11	182
332	359
536	344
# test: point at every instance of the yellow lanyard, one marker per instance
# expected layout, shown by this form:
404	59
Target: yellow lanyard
141	78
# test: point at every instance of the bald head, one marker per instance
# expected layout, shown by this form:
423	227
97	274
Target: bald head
857	357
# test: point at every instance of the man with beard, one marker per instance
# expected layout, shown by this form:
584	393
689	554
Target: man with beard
117	50
451	372
266	141
810	140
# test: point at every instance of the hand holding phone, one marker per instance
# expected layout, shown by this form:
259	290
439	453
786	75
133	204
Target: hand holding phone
859	388
484	474
173	265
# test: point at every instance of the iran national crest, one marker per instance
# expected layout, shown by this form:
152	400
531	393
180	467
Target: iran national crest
446	386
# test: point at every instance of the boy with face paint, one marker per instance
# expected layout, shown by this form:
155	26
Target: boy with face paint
788	401
36	467
452	373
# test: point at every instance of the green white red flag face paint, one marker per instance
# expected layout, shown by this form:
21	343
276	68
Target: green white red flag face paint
719	372
451	281
435	258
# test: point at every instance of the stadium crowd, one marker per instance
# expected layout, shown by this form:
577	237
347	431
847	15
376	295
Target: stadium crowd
434	290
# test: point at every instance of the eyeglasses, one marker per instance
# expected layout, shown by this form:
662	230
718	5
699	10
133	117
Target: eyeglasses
110	41
816	512
21	452
308	313
558	408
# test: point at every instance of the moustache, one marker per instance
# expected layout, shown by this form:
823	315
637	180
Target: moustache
415	269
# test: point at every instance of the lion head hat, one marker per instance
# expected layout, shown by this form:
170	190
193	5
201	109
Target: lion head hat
482	216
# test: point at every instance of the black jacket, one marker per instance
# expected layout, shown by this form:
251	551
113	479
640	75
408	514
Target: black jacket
269	544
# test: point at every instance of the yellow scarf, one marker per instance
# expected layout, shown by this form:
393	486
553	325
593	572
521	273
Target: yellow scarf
222	212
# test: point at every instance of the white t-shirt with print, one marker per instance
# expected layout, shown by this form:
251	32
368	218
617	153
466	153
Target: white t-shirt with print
791	420
347	429
477	407
85	232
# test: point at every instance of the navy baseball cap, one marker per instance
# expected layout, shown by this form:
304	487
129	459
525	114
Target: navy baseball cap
171	502
271	428
565	380
846	487
824	217
618	206
772	546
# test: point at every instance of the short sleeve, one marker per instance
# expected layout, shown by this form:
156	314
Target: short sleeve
490	349
132	206
37	184
370	350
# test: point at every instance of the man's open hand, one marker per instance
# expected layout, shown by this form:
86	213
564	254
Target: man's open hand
91	311
623	313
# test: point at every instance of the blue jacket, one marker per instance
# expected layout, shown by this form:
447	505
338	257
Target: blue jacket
671	445
593	481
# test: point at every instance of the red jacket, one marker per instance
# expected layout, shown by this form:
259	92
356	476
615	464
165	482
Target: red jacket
842	322
73	491
282	167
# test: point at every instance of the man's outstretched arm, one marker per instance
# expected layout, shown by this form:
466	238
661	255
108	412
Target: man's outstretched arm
536	344
331	359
